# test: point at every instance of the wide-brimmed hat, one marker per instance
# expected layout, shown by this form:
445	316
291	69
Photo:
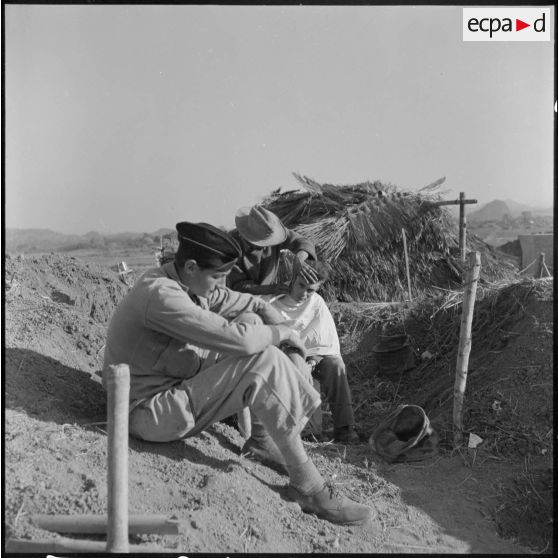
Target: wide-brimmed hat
405	435
260	226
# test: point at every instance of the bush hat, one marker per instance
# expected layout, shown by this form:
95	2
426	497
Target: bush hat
405	435
210	246
260	226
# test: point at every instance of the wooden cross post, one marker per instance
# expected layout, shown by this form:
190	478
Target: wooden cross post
462	220
117	523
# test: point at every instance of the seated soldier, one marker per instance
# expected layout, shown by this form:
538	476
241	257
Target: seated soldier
165	328
307	313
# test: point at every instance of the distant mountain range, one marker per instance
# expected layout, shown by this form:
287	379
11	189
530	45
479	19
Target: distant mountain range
46	240
497	209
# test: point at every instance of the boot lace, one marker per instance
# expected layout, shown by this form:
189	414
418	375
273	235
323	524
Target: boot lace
333	490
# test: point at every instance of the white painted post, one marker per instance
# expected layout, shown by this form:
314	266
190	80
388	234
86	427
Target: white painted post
118	391
464	350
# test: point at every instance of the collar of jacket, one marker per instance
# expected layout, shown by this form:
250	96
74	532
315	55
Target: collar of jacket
170	271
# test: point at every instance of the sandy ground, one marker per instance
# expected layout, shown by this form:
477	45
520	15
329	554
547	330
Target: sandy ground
55	447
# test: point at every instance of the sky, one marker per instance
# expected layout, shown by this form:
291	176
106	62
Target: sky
134	117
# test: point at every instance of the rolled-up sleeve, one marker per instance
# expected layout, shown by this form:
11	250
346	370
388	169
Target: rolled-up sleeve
171	311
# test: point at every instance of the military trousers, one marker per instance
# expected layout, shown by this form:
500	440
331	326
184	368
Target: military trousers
267	383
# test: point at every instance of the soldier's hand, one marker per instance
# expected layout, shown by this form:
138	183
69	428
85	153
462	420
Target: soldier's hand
294	343
290	340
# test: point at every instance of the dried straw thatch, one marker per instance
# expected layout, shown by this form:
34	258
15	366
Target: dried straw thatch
358	231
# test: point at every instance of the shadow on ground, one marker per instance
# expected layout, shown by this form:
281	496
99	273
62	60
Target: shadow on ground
45	389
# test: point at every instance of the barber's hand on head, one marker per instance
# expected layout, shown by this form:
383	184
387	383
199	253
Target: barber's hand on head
300	267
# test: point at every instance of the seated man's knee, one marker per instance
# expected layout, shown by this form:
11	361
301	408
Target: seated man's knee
332	365
249	318
271	354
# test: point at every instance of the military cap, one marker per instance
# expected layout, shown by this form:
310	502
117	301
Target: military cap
210	246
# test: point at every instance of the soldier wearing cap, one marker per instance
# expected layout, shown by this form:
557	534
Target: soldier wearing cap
262	236
166	329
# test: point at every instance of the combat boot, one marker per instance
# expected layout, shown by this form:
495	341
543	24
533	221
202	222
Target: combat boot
329	504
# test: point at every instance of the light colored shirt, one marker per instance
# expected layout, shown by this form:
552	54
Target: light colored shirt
165	334
312	320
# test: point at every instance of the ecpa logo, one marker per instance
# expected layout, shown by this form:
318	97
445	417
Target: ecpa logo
506	24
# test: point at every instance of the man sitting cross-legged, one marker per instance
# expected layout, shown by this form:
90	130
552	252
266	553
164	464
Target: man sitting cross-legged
166	327
307	313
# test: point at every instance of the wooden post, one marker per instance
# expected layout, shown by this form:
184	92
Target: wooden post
118	390
470	291
526	268
542	265
66	545
407	263
97	524
462	226
462	221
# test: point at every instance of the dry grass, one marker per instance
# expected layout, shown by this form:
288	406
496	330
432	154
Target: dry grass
522	501
510	409
433	325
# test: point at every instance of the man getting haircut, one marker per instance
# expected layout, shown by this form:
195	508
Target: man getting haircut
307	313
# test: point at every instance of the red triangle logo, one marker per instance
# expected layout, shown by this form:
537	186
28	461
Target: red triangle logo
519	25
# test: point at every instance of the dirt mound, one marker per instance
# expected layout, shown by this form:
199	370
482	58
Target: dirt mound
88	288
55	453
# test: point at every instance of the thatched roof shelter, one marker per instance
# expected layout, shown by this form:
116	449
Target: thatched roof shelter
358	232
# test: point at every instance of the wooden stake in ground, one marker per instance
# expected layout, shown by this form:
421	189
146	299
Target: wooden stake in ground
469	295
97	524
462	221
74	546
542	265
407	263
118	391
526	268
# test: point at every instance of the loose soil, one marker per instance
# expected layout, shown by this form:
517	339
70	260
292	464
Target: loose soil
497	499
